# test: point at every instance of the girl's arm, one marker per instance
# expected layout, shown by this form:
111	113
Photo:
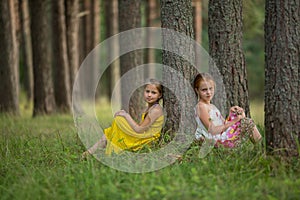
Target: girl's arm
152	115
203	114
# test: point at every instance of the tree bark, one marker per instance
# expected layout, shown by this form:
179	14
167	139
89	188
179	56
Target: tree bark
60	58
177	15
282	82
44	102
9	101
112	28
129	18
225	23
72	23
26	49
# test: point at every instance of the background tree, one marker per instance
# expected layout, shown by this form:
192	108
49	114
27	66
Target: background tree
26	49
72	24
177	15
44	102
282	54
129	18
60	57
112	28
9	90
225	23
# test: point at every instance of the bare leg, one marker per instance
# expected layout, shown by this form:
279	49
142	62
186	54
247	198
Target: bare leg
101	143
256	136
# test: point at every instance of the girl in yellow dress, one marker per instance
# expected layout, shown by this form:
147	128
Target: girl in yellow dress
126	134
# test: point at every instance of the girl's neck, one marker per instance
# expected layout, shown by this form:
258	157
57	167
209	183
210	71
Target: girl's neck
204	102
152	104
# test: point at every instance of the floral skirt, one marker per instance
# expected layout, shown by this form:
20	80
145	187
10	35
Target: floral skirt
237	133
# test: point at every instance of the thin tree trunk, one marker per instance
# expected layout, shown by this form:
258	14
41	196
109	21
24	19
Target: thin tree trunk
282	82
72	23
44	102
26	49
9	101
151	17
60	58
225	47
112	28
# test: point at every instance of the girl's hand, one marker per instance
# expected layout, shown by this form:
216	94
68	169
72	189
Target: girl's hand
238	111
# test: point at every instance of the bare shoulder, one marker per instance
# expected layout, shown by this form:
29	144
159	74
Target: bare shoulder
156	110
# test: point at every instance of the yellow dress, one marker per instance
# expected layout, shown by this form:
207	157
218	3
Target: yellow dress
121	136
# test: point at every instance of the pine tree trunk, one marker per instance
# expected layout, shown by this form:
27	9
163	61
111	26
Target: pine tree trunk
60	58
282	82
44	102
151	17
112	28
72	23
225	47
129	18
26	49
9	101
177	15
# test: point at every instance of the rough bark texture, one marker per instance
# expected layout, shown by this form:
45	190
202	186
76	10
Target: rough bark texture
26	49
129	18
282	109
44	102
225	47
8	59
177	15
60	58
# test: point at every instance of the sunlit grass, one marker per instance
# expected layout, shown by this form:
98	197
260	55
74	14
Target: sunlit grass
40	159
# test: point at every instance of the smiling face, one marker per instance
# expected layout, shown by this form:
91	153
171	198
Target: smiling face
151	94
205	90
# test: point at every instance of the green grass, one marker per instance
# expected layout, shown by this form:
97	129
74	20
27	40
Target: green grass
40	159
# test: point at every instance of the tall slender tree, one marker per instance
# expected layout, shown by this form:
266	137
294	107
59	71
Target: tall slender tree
60	57
112	28
282	82
177	15
44	102
225	23
72	24
9	101
26	48
129	18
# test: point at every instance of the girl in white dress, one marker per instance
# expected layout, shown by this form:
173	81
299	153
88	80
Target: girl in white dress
228	132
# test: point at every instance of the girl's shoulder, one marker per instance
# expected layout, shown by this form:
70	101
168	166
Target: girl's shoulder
156	108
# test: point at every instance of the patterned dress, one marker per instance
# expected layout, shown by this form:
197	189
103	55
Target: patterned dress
231	137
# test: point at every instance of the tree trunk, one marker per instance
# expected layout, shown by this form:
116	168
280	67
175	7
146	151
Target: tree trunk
9	101
112	28
60	58
177	15
44	102
282	82
197	4
72	23
26	49
225	47
151	17
129	18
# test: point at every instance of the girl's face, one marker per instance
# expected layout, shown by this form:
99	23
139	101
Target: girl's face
206	91
151	94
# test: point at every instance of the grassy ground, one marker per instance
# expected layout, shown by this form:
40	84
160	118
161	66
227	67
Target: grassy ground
40	159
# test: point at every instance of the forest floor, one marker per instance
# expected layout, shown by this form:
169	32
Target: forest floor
40	159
